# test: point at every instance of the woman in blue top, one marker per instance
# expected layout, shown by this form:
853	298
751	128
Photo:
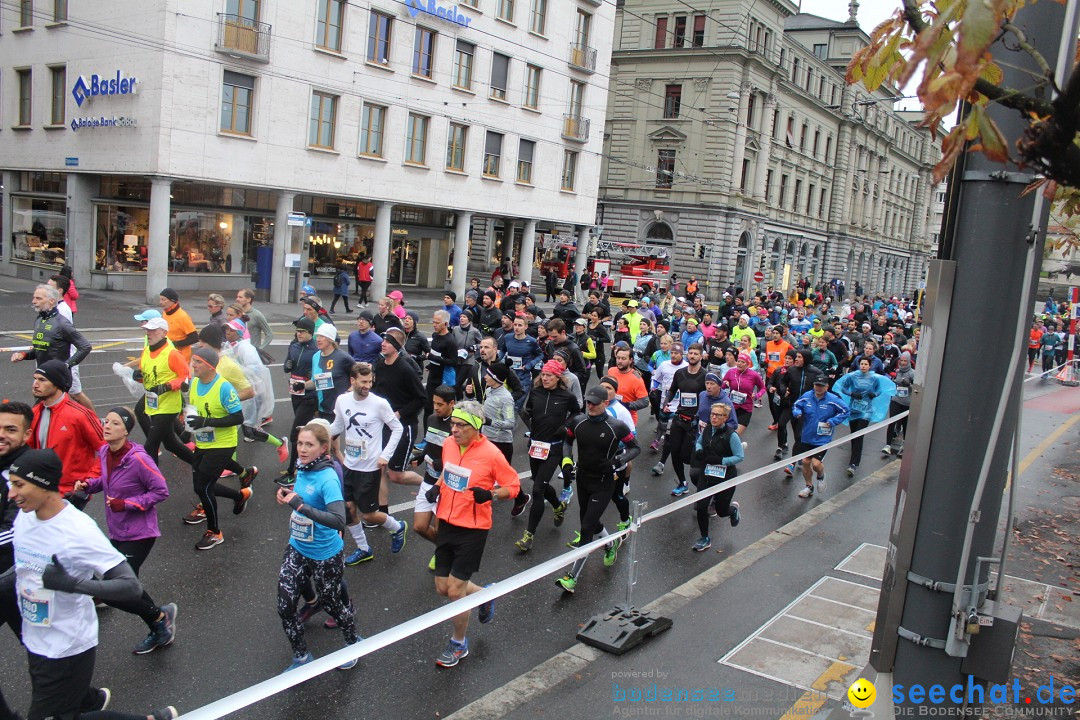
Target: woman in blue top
315	545
867	396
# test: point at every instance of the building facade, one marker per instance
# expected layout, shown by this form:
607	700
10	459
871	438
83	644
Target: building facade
732	138
186	143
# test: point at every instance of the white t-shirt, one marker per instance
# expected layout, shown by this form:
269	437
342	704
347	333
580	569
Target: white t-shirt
665	373
360	426
58	624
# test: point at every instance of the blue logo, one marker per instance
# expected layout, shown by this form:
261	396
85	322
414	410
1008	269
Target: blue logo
428	7
101	85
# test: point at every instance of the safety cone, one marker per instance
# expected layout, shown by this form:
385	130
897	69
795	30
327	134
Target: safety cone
1068	375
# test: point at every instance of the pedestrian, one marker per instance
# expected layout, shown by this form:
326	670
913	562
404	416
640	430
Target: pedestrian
363	342
62	284
904	380
341	289
181	328
329	370
745	386
259	330
397	378
437	432
717	452
818	412
681	399
363	279
215	303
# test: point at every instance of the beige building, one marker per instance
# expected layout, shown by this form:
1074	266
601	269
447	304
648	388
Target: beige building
732	138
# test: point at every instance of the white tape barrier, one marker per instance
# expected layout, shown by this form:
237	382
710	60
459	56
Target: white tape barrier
327	663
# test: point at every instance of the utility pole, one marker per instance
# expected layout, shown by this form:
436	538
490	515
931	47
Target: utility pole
966	403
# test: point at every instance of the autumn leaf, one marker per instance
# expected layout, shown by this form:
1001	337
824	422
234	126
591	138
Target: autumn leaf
991	141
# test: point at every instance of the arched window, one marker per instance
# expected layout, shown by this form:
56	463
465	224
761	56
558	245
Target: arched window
660	233
740	259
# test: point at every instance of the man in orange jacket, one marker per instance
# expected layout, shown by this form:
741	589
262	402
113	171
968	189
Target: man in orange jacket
475	474
65	426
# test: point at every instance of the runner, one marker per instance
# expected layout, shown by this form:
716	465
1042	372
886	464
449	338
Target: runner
867	396
819	412
780	403
682	396
499	414
259	410
904	380
397	378
438	430
717	451
65	426
163	370
55	338
181	329
665	411
301	352
744	386
66	309
329	370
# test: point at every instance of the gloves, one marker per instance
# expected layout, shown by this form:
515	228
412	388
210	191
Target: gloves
288	365
55	577
116	504
159	389
137	376
432	494
196	421
480	495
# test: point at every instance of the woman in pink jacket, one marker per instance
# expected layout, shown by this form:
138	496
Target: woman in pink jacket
744	385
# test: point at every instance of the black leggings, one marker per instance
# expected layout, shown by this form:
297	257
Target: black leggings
345	298
327	576
897	427
507	449
61	687
162	431
618	494
362	290
136	552
593	501
304	410
542	472
782	420
680	441
205	471
856	443
722	499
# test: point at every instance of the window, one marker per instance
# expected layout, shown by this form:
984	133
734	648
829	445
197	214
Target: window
790	135
500	70
26	96
750	111
59	96
821	50
809	199
26	13
60	11
328	24
322	120
768	184
538	21
463	65
821	204
372	128
455	147
237	92
526	148
492	153
569	169
470	3
795	198
817	137
665	168
581	32
809	78
828	148
679	38
776	124
672	101
802	137
532	87
795	70
506	10
783	191
941	197
661	33
245	9
577	98
416	139
743	174
378	45
698	39
423	52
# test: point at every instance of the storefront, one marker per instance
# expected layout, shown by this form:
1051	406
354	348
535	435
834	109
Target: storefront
39	219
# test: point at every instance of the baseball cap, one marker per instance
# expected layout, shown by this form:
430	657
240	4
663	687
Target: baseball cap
821	381
596	395
632	303
147	315
308	289
155	324
305	324
581	321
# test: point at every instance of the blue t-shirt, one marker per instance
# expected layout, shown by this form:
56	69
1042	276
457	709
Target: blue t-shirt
317	489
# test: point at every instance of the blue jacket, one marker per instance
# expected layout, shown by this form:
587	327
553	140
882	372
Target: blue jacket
364	347
341	283
705	403
455	313
829	409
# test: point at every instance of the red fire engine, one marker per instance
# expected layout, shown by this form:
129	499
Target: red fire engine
626	265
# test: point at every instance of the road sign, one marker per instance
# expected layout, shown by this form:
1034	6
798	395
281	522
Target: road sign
759	276
297	219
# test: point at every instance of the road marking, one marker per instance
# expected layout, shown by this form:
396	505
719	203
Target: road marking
1041	448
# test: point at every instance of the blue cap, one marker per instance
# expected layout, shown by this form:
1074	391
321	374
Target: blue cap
308	289
147	315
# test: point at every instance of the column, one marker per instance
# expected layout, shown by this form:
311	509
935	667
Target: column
380	255
581	256
507	250
740	137
279	280
81	234
5	223
157	244
528	252
461	255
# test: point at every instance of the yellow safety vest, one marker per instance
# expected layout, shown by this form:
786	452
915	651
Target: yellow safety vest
207	402
156	371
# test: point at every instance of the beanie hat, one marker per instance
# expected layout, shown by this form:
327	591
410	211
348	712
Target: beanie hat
208	355
170	294
125	416
40	467
212	335
608	380
57	372
451	294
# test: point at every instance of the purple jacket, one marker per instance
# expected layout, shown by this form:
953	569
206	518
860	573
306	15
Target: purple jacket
138	481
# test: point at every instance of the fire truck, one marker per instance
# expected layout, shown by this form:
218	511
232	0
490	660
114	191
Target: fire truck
627	265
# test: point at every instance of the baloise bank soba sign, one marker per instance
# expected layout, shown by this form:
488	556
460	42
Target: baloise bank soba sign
85	89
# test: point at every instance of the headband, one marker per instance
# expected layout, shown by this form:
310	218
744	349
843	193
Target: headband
392	340
467	417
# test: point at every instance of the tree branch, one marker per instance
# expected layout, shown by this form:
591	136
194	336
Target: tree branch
1021	39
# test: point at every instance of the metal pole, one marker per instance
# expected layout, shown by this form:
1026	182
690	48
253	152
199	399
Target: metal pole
637	508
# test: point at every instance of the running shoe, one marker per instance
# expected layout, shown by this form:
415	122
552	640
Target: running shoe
210	540
611	553
240	504
658	469
248	476
623	524
165	713
519	504
453	654
734	515
712	507
298	661
162	632
568	583
774	427
654	446
779	454
486	611
566	494
370	525
190	446
576	542
350	664
680	490
806	492
285	479
267	421
397	540
702	544
358	556
559	514
283	450
104	696
420	446
789	469
525	543
309	611
196	516
227	473
851	470
821	483
431	564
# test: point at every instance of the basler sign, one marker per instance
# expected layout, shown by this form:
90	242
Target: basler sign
430	7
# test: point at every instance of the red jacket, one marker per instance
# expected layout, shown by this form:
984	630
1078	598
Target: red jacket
75	435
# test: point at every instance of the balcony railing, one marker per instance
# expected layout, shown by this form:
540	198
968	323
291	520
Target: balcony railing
575	128
582	57
238	35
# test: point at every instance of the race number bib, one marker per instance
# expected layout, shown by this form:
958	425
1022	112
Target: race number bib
824	428
151	401
205	435
860	405
687	400
324	381
714	369
356	449
701	425
301	528
737	397
539	450
456	477
434	436
34	606
515	362
774	357
902	392
296	379
716	471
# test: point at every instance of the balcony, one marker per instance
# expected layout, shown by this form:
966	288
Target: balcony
582	57
242	37
575	127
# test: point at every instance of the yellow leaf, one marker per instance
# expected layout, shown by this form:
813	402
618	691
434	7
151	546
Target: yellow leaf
991	73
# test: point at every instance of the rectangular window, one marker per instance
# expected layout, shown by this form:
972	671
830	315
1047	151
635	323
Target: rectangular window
59	95
463	65
584	25
492	153
500	71
26	96
661	34
526	148
828	148
679	38
237	92
802	137
795	70
790	134
532	87
665	168
577	98
372	129
817	137
672	101
821	50
809	199
698	38
379	30
750	111
423	52
776	124
795	198
26	13
783	192
470	3
569	169
60	10
768	184
821	204
322	120
538	20
416	139
506	10
455	147
743	174
328	24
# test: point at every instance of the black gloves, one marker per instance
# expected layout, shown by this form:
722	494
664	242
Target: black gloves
55	577
480	495
159	389
432	494
197	421
137	376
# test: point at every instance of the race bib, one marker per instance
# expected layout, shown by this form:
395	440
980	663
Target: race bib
356	449
301	528
34	607
205	435
456	477
737	397
151	401
435	355
429	467
515	362
860	405
824	428
687	400
296	379
714	369
774	357
539	450
701	425
434	436
324	381
776	399
716	471
902	392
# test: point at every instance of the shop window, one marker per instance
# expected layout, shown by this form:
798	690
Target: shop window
199	240
526	149
237	94
322	120
455	147
328	24
532	87
379	29
423	52
416	139
39	229
372	124
463	65
492	154
58	76
569	172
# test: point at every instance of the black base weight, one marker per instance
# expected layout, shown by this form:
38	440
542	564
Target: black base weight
622	629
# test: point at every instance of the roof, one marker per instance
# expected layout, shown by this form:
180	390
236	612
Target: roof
806	21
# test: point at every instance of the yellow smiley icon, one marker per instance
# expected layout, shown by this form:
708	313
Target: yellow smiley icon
862	693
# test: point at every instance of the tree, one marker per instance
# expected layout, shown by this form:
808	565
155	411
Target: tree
949	42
